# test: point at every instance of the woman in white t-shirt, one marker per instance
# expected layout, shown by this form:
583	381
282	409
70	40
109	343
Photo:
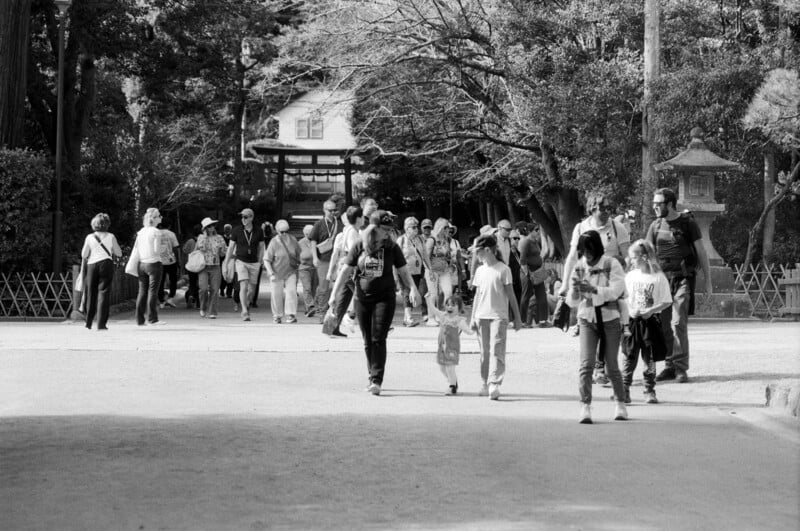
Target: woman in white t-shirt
99	249
148	245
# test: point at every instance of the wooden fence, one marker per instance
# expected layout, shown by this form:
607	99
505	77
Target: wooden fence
766	285
36	295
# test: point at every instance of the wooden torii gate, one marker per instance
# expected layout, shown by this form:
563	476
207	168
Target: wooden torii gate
279	159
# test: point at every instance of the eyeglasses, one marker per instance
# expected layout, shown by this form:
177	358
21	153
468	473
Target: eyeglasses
605	208
331	210
246	217
504	228
515	238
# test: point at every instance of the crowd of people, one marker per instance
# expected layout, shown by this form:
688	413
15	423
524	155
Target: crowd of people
350	265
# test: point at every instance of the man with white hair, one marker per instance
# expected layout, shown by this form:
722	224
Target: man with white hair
322	237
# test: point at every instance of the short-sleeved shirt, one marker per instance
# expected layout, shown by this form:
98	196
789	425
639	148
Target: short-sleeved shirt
674	241
247	243
612	234
374	275
168	243
646	290
530	254
491	300
323	230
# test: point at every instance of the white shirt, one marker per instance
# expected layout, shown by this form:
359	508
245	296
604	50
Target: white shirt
96	252
609	279
611	241
491	300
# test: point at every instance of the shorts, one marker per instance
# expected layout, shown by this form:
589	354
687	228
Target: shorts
247	271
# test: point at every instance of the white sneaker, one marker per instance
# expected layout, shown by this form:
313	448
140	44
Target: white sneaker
586	414
620	411
161	305
484	390
374	389
494	392
157	323
170	303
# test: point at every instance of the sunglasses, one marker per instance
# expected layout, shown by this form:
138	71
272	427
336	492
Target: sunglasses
515	238
246	217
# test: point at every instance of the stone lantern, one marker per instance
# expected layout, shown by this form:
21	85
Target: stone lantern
696	166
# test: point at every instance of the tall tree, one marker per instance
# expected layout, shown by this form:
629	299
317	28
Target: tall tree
14	38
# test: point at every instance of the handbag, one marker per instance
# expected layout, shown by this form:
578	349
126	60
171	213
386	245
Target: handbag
132	267
561	314
330	323
228	270
196	261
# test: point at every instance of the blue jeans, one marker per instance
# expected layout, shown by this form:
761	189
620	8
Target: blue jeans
208	281
375	318
492	337
147	298
589	340
675	321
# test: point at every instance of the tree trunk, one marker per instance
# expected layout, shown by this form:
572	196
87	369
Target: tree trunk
652	68
770	177
14	43
768	207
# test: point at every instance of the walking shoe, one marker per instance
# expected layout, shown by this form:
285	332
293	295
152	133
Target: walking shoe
156	323
410	323
235	307
453	390
667	374
337	333
600	378
276	320
424	317
620	411
310	312
494	392
627	396
169	303
212	316
484	390
374	389
291	319
650	397
681	376
202	313
245	316
586	414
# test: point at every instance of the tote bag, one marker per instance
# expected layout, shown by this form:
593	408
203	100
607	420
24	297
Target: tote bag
196	262
132	267
228	270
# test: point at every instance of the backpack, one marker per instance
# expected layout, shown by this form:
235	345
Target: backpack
684	221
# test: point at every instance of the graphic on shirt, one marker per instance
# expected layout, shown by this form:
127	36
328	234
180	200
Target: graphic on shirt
643	295
373	265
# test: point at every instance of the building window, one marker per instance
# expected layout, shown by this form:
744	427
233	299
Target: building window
308	128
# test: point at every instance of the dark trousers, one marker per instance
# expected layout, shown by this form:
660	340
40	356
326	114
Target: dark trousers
375	318
342	301
147	298
539	312
98	292
170	271
193	291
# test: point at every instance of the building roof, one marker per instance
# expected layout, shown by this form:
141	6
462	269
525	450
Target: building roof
697	157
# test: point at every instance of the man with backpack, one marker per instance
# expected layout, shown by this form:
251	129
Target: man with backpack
679	249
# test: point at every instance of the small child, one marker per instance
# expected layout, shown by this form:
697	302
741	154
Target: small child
451	324
494	293
648	294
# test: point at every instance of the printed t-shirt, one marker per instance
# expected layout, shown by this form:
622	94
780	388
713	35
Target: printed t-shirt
646	290
491	300
673	241
374	275
247	243
168	243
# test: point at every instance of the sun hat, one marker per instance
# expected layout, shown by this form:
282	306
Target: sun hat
282	225
206	222
382	217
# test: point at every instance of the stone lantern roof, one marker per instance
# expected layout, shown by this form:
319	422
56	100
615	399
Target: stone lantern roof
697	157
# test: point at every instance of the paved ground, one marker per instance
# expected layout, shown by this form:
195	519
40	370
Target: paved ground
229	425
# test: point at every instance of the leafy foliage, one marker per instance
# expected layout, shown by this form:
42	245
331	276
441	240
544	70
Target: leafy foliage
25	179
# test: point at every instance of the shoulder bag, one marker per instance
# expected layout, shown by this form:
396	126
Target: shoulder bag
132	267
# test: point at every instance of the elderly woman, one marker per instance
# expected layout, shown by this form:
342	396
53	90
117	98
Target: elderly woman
307	273
99	249
413	248
148	245
373	259
441	257
281	262
213	247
